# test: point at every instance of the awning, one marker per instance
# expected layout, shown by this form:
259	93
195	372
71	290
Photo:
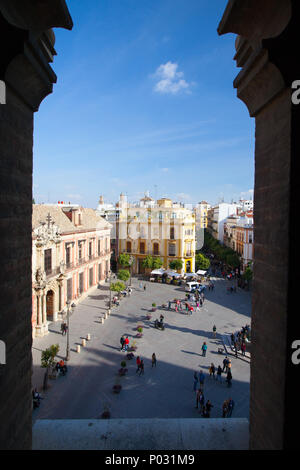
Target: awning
169	272
200	271
190	275
159	271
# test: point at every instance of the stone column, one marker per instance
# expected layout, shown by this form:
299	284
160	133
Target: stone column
45	324
268	32
28	78
39	326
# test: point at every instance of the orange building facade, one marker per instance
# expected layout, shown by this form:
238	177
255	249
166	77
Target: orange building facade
70	257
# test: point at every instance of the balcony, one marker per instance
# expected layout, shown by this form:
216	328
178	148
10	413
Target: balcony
52	272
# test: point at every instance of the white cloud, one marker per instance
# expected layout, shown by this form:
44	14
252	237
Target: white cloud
170	80
164	170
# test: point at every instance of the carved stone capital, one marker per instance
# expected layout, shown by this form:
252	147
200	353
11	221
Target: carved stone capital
266	31
29	47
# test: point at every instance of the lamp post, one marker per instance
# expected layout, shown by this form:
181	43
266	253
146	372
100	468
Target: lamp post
131	260
68	324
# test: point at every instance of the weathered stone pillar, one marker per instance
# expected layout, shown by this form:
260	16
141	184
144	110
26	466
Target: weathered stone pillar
268	32
24	68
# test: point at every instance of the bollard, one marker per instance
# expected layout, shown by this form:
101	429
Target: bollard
101	320
105	316
83	342
108	312
78	348
88	337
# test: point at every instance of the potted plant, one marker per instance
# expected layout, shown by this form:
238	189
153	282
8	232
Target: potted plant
149	316
117	387
48	362
154	307
106	412
133	346
123	369
140	332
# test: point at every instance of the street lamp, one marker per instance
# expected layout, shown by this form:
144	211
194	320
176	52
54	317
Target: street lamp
131	260
68	324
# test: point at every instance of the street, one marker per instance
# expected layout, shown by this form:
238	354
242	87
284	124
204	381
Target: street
162	392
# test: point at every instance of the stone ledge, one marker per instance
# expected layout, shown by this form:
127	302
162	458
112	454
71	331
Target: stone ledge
141	434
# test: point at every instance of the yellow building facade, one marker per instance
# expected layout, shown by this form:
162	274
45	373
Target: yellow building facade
161	229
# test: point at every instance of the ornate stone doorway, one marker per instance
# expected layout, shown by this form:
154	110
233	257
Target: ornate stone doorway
50	305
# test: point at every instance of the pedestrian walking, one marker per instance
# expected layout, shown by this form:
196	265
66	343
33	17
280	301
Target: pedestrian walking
229	365
144	287
235	348
225	409
201	302
195	381
232	338
208	408
141	368
198	395
204	349
243	348
141	285
212	370
138	364
219	374
214	331
62	328
230	407
201	380
122	341
225	364
153	360
198	305
229	378
126	343
201	402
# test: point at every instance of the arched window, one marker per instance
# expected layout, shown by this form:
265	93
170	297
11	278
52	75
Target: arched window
155	248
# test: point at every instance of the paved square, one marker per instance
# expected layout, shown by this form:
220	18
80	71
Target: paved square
162	392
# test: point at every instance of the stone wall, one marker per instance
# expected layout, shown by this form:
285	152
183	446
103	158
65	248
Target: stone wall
24	68
267	33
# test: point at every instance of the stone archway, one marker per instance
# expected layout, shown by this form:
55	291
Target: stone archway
50	305
188	266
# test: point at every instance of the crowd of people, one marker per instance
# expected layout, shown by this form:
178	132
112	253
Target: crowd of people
198	388
239	340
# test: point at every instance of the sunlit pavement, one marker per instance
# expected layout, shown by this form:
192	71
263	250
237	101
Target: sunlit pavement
162	392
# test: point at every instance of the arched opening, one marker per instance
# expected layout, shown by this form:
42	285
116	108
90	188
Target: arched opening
155	248
188	266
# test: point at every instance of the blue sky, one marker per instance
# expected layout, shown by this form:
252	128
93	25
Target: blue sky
144	101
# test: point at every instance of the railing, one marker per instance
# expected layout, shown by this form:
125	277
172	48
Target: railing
52	272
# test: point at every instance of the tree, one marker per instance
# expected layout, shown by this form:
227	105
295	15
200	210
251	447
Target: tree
248	273
123	275
47	361
157	263
201	262
233	260
176	264
124	260
148	262
117	286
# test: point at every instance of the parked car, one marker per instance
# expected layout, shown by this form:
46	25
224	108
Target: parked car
191	286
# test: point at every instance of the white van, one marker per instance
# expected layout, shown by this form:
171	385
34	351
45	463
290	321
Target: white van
192	285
